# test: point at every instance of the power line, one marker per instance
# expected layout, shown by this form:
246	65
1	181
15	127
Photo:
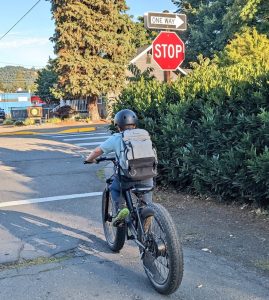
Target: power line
19	20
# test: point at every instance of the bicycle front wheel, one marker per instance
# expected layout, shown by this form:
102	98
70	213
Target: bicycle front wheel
115	236
163	256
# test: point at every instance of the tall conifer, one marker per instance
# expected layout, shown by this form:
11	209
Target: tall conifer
213	23
93	45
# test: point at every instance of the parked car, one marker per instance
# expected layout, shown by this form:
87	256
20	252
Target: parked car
2	114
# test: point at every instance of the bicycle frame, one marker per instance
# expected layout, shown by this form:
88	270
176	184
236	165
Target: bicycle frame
134	213
134	222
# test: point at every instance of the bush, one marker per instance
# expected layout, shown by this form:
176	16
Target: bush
18	123
29	121
54	120
80	117
8	122
64	112
210	129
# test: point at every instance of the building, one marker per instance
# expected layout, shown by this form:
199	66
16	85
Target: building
9	101
15	104
35	100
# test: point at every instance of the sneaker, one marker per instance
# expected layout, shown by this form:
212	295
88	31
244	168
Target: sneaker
120	217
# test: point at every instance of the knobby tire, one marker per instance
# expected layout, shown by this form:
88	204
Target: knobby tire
115	236
171	248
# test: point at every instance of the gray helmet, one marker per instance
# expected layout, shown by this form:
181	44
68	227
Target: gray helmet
125	117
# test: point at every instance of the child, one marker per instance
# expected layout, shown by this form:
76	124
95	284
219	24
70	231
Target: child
124	120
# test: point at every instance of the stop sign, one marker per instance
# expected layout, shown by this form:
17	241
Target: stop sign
168	50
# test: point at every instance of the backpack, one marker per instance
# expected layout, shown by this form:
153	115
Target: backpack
138	159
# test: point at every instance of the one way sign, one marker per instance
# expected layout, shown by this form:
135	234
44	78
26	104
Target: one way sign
165	21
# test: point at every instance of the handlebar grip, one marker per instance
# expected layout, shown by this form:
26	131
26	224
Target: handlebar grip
100	159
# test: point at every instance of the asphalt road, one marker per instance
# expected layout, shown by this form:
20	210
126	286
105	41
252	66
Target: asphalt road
51	239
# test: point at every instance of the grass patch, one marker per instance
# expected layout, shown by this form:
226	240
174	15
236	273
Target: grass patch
8	122
29	121
33	262
101	174
54	120
263	264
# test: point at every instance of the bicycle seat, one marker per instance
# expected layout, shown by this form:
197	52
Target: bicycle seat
141	188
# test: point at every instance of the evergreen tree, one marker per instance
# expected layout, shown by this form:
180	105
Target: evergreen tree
13	78
212	24
19	83
93	44
248	48
1	87
246	13
46	81
142	36
204	26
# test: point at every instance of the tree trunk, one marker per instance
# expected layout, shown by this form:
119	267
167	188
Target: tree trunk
93	108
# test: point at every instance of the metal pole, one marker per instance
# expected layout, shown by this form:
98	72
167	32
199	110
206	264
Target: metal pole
167	74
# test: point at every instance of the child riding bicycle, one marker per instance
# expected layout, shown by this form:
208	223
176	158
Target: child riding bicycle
125	121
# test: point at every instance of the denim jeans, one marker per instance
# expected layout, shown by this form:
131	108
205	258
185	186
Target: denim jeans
116	192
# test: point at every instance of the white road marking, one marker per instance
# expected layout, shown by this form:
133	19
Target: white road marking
48	199
88	144
76	134
87	138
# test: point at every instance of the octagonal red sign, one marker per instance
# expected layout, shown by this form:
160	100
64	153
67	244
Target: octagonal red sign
168	50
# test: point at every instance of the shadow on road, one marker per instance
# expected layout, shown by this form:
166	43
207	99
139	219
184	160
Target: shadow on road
36	168
48	236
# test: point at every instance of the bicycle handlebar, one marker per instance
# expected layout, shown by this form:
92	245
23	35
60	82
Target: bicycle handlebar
103	158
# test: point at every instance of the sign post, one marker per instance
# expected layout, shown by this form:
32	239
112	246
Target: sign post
168	50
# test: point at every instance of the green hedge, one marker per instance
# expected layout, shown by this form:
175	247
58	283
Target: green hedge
219	147
211	129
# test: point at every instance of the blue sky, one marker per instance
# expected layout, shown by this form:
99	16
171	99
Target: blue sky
28	44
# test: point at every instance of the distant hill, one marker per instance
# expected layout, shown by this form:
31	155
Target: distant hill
13	77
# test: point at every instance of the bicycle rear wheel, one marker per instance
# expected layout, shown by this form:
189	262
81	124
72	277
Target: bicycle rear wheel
115	236
163	256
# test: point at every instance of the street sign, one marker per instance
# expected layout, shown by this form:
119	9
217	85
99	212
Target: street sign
171	21
34	112
168	50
